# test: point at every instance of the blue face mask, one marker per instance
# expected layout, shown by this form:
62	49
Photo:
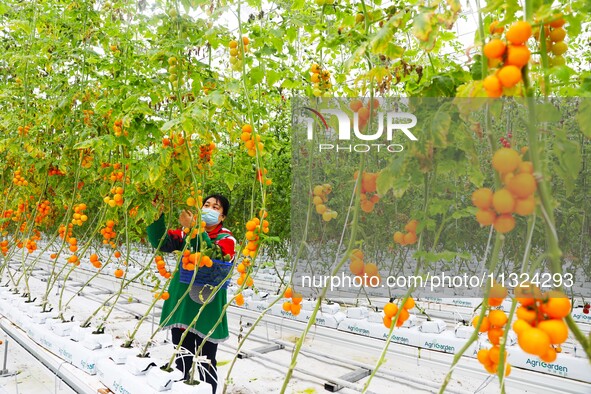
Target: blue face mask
210	217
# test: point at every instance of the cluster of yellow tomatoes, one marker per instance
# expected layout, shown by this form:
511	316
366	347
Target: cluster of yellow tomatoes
190	260
368	272
517	195
118	128
263	178
556	34
251	141
391	309
293	305
510	54
244	278
108	233
540	325
254	228
43	209
94	260
161	266
508	59
369	197
205	153
18	179
31	244
494	324
117	199
236	53
408	238
320	80
173	69
79	216
320	199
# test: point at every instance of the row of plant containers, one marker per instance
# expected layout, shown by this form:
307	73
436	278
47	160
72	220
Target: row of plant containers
432	335
118	368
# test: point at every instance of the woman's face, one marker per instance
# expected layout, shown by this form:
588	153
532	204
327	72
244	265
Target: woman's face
214	204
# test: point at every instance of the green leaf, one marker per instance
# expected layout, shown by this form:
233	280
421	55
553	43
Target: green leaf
217	98
454	5
273	76
379	43
298	4
87	143
393	51
385	180
440	125
439	206
154	174
584	117
256	75
291	33
130	102
356	57
170	124
422	28
460	214
178	171
569	162
547	112
187	124
230	179
393	177
441	86
493	5
562	73
476	176
290	84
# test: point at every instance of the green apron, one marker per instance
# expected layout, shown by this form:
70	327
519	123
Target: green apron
188	309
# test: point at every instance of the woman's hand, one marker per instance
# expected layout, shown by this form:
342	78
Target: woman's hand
186	219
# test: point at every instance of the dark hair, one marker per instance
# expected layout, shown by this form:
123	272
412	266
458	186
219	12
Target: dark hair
223	201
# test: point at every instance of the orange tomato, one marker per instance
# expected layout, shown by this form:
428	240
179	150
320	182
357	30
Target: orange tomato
557	306
497	318
484	326
506	160
519	32
288	293
390	309
494	335
556	329
534	341
509	76
495	48
295	309
504	223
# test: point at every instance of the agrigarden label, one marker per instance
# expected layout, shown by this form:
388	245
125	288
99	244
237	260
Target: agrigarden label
363	166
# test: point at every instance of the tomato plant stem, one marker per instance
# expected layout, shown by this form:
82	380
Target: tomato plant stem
554	252
418	268
322	296
492	266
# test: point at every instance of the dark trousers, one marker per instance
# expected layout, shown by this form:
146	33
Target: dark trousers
192	343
